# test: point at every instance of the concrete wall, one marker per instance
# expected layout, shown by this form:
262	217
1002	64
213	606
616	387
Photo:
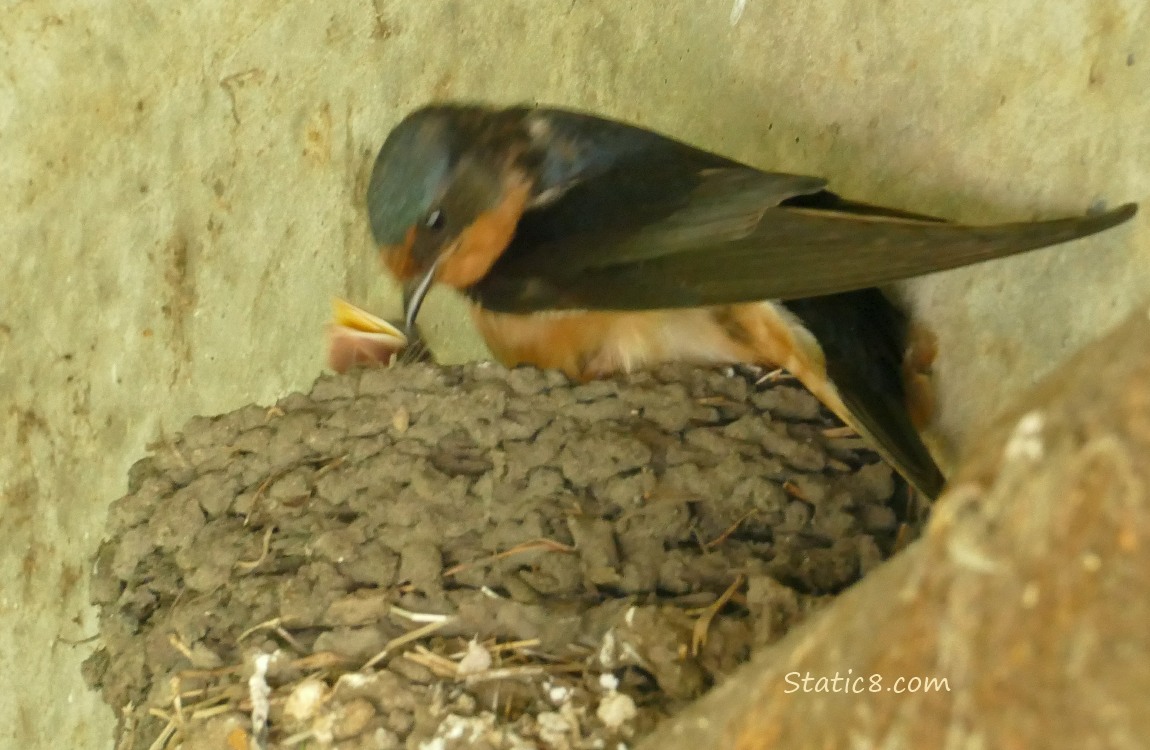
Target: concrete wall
181	187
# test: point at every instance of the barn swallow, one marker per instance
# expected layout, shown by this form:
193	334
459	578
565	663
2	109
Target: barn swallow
595	247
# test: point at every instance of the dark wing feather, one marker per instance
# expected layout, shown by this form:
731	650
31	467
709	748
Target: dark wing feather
863	337
651	208
641	221
668	209
792	253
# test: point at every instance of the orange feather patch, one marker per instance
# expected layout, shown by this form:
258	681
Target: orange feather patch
481	244
398	258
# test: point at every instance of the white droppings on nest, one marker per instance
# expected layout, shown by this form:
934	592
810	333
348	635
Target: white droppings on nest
475	660
258	693
323	730
455	728
354	680
1026	440
304	702
608	682
557	694
556	727
615	652
608	648
616	709
489	592
457	731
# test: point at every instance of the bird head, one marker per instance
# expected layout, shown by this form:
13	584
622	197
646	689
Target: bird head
444	199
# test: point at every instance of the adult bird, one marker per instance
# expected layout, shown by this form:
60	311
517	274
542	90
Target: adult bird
594	246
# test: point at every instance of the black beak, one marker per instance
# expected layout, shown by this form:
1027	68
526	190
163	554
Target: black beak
413	293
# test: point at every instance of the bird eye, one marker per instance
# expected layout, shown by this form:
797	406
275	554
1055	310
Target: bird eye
435	219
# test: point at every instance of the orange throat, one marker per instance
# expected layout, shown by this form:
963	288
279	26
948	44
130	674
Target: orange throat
481	244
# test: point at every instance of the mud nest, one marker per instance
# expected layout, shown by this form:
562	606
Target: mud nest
442	558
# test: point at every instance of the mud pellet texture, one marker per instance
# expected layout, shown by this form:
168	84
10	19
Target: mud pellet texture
424	557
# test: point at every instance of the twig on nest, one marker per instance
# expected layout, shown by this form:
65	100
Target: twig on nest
441	666
182	647
795	491
249	566
703	624
320	660
546	545
330	466
275	622
729	530
403	640
418	616
166	734
525	671
774	376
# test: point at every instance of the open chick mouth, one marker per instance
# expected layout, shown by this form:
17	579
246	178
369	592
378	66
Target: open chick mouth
358	338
